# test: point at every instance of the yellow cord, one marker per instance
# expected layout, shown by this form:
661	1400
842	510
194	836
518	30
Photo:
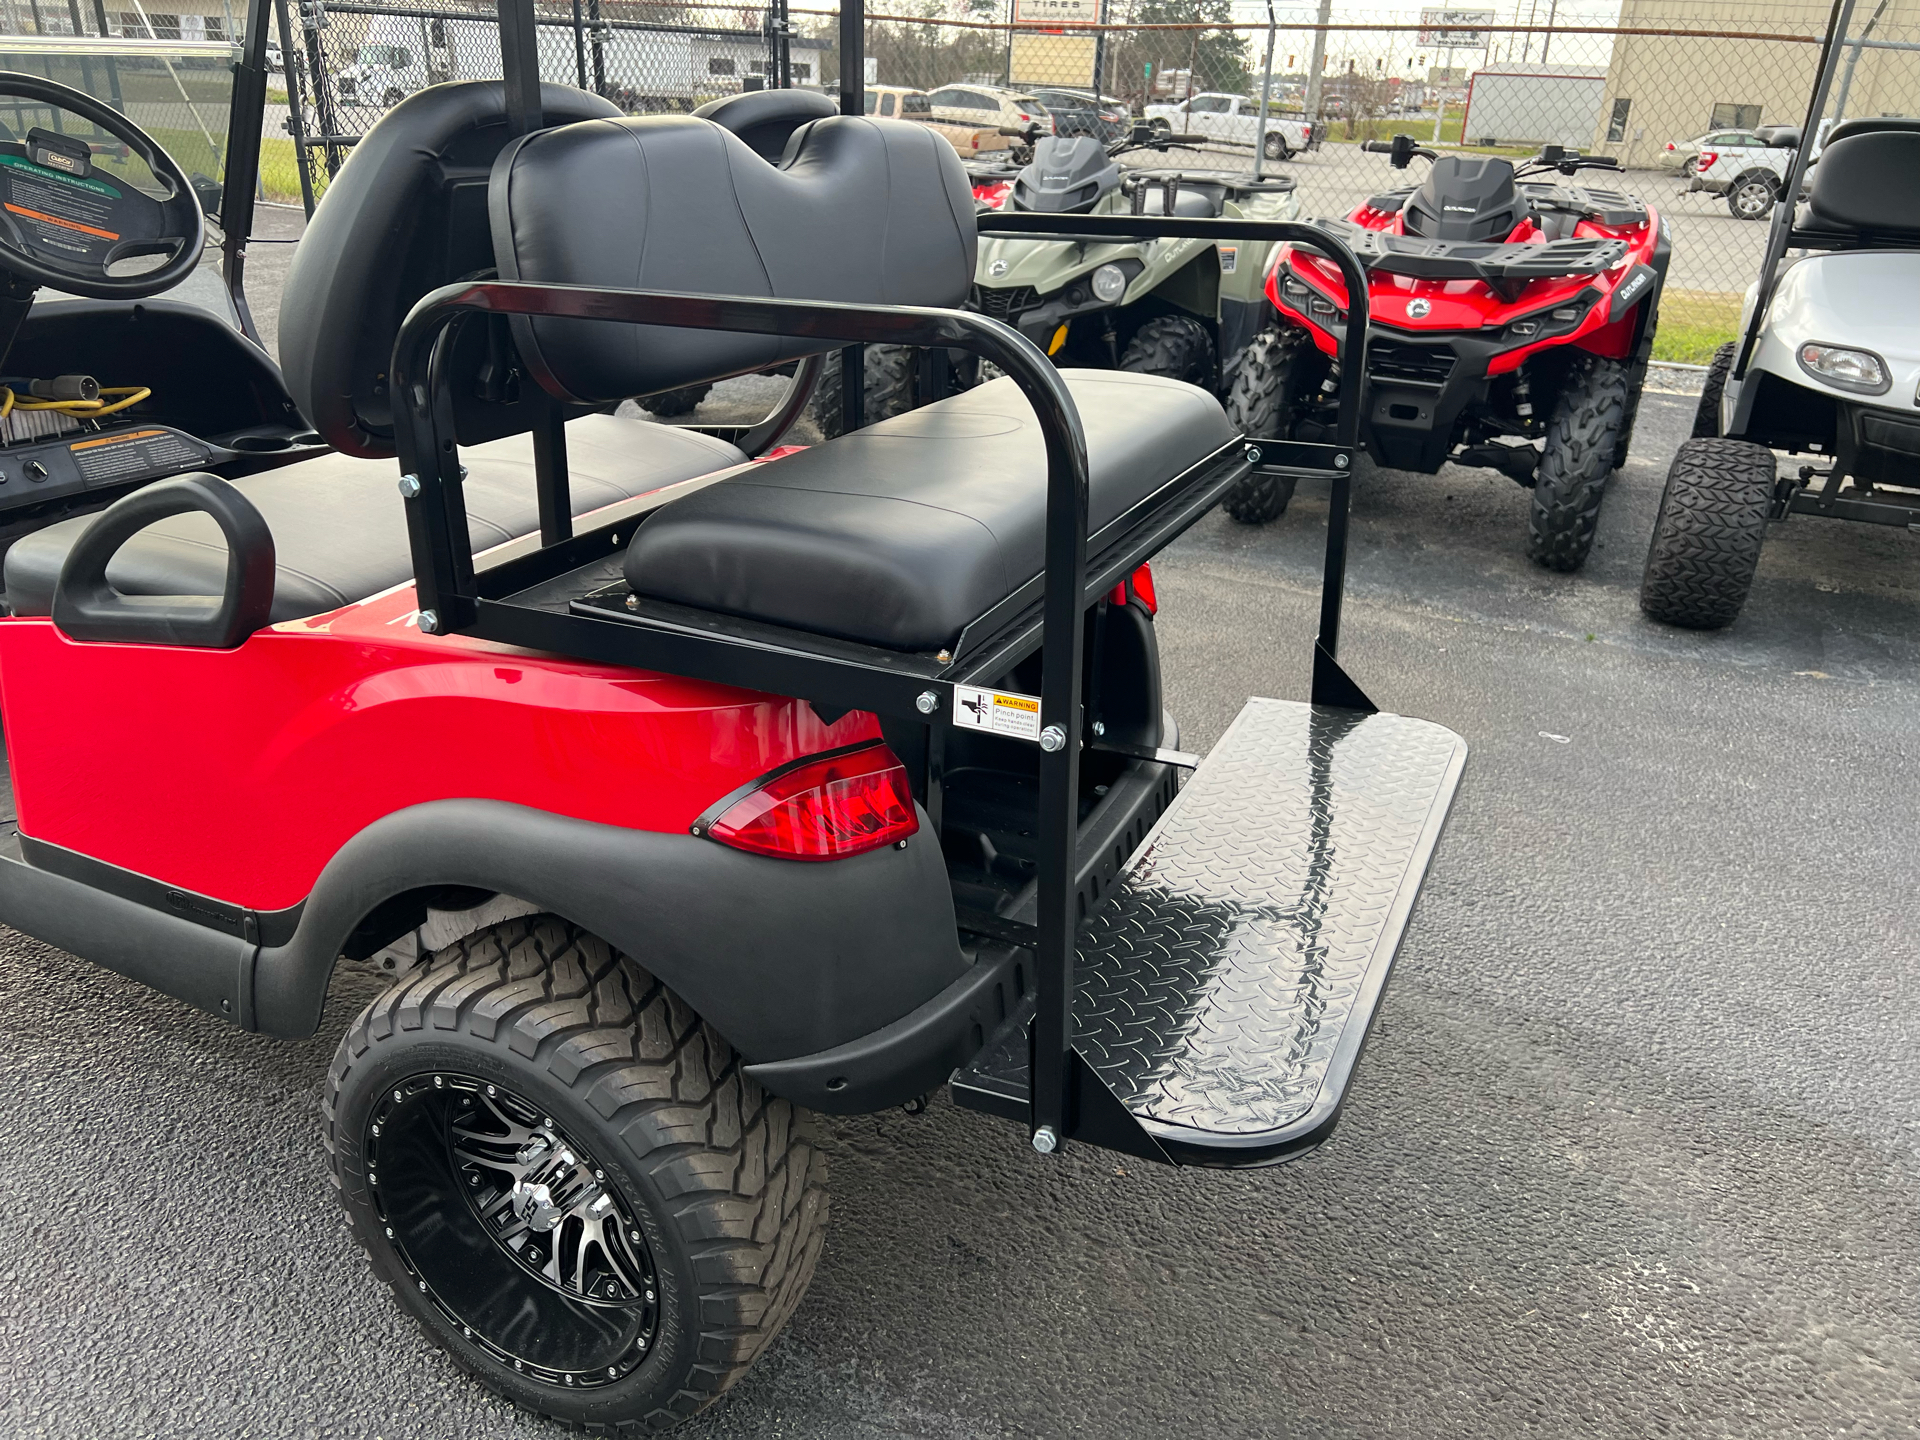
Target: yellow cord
79	409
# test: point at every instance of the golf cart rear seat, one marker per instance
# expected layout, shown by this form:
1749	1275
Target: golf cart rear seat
898	535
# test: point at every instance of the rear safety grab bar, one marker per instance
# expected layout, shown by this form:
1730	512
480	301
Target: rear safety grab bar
87	607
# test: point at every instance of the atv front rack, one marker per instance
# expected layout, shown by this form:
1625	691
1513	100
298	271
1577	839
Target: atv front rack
1063	1098
1505	267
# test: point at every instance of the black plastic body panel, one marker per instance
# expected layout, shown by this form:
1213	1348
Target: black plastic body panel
782	957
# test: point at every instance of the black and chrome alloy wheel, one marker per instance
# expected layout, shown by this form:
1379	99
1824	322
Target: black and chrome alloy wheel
511	1229
568	1179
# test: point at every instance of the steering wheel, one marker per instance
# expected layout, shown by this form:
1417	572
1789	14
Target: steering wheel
62	223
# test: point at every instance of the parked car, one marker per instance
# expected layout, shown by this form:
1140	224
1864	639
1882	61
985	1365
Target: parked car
1081	112
1234	119
1750	175
900	102
1679	156
987	107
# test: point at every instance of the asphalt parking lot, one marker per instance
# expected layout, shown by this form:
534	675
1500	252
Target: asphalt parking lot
1635	1150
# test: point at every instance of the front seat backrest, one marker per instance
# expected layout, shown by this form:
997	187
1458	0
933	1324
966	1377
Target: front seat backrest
405	215
1868	179
766	119
863	211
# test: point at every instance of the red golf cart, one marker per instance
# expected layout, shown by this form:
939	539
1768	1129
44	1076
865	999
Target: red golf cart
685	783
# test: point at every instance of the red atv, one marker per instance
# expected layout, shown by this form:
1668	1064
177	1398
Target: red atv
1512	321
681	784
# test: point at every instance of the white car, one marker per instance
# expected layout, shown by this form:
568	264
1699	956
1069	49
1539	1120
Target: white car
1748	167
1234	120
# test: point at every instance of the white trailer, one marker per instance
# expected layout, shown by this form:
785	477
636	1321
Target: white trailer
1533	105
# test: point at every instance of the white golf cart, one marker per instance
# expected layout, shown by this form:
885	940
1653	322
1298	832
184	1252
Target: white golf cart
1827	367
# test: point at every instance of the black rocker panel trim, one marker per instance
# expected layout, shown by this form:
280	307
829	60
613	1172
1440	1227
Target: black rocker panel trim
181	957
268	927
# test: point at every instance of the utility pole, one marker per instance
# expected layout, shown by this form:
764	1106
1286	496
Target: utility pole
1318	62
1546	40
1266	94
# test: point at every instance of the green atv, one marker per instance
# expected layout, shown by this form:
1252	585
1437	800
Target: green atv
1178	307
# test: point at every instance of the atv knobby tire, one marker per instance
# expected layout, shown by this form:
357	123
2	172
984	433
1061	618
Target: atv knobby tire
724	1179
1708	534
890	377
1174	346
668	403
1583	434
1706	416
1260	406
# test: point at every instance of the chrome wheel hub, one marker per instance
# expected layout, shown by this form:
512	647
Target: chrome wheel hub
512	1230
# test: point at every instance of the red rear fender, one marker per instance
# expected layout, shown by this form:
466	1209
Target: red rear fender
240	773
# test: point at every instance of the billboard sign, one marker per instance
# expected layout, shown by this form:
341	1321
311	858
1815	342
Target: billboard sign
1455	29
1056	12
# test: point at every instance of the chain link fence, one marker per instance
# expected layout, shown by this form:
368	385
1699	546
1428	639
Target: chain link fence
1700	100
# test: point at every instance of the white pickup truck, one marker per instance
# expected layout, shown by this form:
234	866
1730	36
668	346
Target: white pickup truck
1233	120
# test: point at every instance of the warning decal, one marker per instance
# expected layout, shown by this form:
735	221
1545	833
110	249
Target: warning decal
1229	259
998	711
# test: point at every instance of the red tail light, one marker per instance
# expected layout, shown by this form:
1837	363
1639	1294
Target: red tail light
824	808
1707	160
1140	583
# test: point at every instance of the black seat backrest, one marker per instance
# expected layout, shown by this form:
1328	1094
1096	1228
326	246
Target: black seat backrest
1868	179
863	211
405	215
766	119
1465	197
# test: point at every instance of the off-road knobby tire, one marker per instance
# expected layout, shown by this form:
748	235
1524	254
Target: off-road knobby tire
1756	181
1709	532
890	377
1260	406
1175	346
669	403
1571	480
726	1180
1706	415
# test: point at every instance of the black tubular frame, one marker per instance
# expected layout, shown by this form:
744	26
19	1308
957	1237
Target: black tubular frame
452	598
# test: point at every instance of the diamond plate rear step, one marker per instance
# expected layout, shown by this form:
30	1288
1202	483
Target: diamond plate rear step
1224	990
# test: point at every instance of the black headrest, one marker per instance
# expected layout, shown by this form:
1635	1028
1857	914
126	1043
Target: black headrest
405	215
864	211
766	119
1780	137
1872	125
1868	179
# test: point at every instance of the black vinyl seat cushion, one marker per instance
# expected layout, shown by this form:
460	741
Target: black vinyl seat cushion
340	528
900	534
